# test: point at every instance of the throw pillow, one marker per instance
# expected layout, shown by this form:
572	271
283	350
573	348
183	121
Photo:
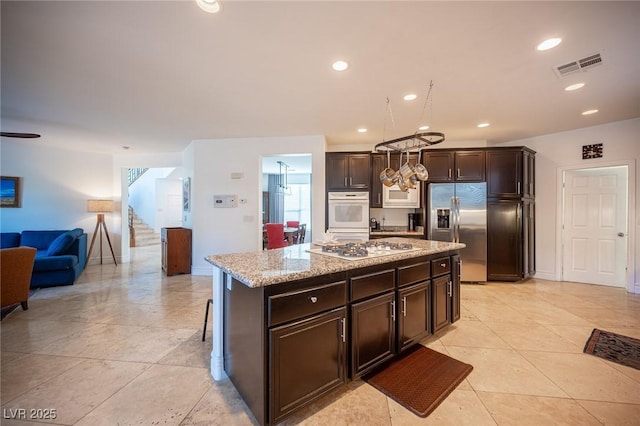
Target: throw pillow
76	232
61	244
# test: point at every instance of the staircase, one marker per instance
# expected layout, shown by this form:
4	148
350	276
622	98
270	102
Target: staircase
143	234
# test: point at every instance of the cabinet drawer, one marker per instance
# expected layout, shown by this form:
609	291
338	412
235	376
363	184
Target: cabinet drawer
372	284
413	273
441	266
299	304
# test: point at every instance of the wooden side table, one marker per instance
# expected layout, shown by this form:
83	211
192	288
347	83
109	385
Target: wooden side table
176	250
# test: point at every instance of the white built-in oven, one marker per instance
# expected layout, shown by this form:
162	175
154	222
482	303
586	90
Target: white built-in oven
349	215
393	197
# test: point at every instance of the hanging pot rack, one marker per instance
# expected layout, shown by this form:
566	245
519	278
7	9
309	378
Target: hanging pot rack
412	143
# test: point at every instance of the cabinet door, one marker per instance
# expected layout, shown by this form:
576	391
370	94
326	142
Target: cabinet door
469	166
528	174
441	302
337	169
359	171
440	165
307	360
528	238
455	288
372	333
378	164
504	241
504	173
414	313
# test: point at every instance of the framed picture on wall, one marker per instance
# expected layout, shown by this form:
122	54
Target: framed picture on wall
186	194
10	194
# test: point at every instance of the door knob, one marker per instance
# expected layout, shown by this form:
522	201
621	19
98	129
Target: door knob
620	234
313	299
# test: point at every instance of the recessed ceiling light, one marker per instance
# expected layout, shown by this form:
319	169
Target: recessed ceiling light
209	6
423	127
410	97
549	44
589	112
483	125
340	65
125	147
362	130
574	87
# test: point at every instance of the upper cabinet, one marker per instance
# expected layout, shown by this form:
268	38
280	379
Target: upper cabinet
510	173
347	171
379	162
455	166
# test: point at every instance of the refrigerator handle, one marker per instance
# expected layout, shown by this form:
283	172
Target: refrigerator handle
456	220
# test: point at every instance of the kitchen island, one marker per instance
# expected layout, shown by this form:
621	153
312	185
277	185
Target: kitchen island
292	324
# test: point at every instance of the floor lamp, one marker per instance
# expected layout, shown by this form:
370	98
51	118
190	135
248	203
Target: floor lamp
101	207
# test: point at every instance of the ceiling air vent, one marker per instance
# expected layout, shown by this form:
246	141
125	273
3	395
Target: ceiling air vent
583	64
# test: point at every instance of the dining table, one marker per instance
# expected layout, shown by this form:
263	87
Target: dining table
291	234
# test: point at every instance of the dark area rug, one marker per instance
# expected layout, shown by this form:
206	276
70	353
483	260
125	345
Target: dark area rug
420	380
614	347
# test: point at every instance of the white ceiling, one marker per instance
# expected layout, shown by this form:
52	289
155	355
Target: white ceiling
151	75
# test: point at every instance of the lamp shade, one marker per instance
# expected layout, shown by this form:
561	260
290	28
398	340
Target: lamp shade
99	206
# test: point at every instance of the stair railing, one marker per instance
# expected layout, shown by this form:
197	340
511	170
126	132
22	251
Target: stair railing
134	174
132	230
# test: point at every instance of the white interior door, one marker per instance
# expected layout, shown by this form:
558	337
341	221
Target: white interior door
595	226
168	203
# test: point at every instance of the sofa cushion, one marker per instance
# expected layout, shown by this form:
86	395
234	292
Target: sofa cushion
61	244
53	263
9	239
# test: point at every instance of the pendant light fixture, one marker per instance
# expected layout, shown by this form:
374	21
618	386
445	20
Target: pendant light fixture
209	6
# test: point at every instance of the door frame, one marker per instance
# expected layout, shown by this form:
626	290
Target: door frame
630	277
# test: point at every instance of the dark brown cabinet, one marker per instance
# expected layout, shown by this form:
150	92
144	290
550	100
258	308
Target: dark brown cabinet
510	213
510	173
455	166
347	171
176	250
414	314
442	292
307	359
505	246
379	162
372	333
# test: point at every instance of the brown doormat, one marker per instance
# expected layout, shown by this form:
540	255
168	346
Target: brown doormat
614	347
420	380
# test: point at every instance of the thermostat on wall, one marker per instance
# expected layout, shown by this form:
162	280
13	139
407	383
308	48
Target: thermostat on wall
225	201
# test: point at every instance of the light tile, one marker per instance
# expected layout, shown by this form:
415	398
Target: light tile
611	413
79	389
504	370
584	376
163	394
222	405
532	337
473	334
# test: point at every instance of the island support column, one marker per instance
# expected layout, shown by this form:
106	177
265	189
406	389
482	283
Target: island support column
217	318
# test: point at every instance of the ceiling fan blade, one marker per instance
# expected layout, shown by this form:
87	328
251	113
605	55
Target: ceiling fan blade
19	135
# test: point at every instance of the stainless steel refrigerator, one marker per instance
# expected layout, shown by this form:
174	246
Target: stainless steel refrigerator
458	213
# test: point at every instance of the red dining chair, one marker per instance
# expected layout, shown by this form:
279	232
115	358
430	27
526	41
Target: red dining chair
275	236
293	223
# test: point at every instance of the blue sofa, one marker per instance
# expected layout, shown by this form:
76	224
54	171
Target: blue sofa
61	255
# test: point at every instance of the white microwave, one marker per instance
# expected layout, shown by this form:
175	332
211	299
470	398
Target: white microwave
393	197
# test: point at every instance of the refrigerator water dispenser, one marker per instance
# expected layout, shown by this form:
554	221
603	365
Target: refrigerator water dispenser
443	218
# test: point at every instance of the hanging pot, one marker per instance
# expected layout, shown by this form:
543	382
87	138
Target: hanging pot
421	171
407	169
388	176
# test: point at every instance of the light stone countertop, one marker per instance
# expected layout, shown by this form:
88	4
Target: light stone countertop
407	233
267	267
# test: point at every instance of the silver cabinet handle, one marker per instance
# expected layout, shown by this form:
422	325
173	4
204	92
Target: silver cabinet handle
313	299
393	310
450	289
350	181
379	200
518	188
449	173
404	306
458	171
345	181
344	330
444	265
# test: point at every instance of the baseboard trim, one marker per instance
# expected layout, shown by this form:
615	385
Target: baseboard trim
202	270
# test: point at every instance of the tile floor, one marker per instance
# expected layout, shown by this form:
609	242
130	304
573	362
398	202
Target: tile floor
122	346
